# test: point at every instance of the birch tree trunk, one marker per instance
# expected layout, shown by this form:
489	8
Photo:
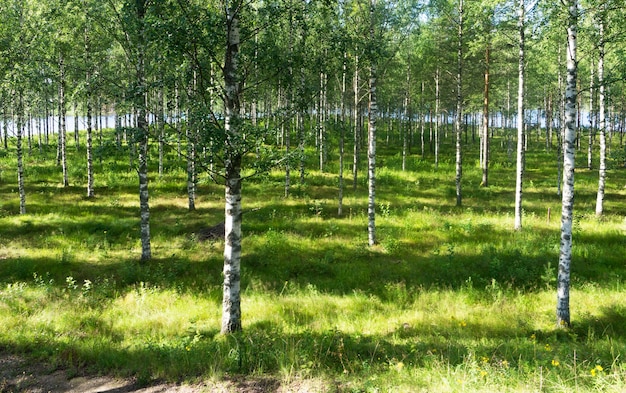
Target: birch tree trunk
142	129
371	150
231	304
62	155
405	113
20	154
591	116
459	109
602	126
565	255
422	120
355	154
5	126
76	140
437	103
161	125
190	135
342	128
485	128
519	172
89	98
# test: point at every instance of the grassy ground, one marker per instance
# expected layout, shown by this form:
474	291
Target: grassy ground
451	300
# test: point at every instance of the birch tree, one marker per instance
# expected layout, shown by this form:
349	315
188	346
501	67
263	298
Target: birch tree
231	304
602	112
565	254
459	107
371	149
140	101
89	100
519	172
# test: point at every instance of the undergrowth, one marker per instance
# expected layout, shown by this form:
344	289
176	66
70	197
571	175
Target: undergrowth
450	300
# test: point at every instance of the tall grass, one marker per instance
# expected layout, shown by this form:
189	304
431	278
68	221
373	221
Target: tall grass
451	300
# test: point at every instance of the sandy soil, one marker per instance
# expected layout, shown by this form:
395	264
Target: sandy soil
19	375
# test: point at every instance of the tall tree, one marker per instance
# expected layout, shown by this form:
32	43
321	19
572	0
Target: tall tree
602	112
231	304
459	106
372	112
565	254
519	172
88	99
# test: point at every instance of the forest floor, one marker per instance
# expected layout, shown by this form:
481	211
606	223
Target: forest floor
18	374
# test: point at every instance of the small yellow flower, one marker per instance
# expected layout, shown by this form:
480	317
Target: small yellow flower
483	373
596	370
505	364
462	324
555	363
485	359
548	348
188	348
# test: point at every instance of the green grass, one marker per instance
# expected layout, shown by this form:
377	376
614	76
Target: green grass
451	300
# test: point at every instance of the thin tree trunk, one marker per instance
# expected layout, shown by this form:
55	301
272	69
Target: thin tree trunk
321	121
62	132
161	125
485	131
565	254
561	131
591	116
231	305
89	93
355	154
422	120
603	125
142	129
459	108
405	114
178	124
371	150
342	128
190	134
437	104
519	173
20	163
5	125
76	140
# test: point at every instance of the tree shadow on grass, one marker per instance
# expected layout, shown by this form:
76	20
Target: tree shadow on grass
610	323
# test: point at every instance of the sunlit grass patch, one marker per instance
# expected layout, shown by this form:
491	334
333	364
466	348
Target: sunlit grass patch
451	299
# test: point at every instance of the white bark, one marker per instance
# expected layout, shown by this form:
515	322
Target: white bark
602	126
342	134
437	101
62	131
459	109
485	125
565	255
88	91
142	129
355	154
371	150
231	304
591	116
519	173
20	163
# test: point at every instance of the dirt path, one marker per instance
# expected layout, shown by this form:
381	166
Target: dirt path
19	375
